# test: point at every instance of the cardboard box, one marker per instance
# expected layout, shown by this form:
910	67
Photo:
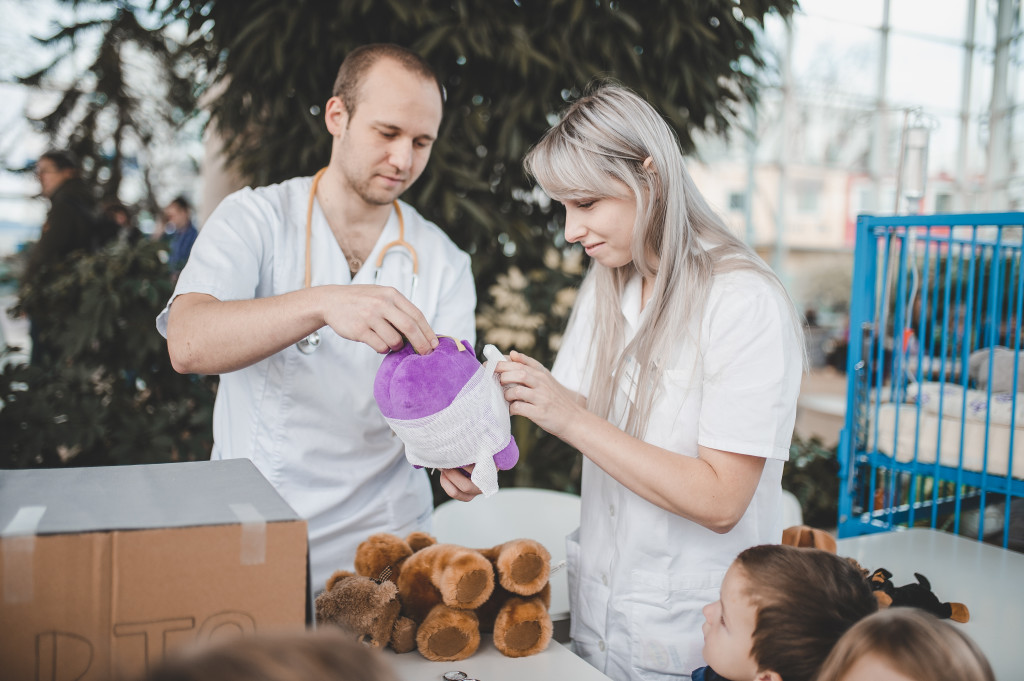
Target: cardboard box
102	570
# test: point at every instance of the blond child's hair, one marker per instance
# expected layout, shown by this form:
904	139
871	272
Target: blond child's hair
912	642
326	655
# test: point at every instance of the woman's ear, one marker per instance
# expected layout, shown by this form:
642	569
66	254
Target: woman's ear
649	164
767	676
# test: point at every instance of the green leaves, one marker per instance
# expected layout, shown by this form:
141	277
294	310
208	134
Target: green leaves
111	397
812	474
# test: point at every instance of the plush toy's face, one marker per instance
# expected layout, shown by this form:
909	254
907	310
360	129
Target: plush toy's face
362	606
411	386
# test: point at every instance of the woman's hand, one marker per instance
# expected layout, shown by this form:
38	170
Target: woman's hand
456	483
533	392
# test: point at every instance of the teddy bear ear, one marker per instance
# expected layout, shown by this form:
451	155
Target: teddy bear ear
337	577
420	540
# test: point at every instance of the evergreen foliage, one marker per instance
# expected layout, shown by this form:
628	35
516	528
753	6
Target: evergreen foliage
508	68
111	397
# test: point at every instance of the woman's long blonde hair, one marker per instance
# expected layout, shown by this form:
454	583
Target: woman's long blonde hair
606	136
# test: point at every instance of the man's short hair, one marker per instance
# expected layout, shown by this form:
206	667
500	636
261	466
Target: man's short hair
62	159
181	202
353	69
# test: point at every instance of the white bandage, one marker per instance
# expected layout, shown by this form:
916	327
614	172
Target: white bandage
471	430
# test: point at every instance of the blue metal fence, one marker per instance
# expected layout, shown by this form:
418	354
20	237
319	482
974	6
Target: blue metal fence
934	376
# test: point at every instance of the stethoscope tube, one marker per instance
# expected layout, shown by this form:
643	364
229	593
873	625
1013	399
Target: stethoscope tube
310	343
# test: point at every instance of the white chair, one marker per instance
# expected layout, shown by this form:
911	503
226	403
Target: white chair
791	511
516	513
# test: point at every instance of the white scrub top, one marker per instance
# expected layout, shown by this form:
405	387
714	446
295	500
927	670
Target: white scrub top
639	575
309	422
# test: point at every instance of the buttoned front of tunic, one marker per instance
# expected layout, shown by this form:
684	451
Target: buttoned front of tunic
639	576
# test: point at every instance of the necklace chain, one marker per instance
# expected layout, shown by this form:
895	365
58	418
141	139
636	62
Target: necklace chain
355	263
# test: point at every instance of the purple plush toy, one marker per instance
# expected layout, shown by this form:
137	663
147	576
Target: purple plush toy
448	409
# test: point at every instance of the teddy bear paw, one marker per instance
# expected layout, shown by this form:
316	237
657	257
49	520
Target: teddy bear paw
523	627
448	634
523	566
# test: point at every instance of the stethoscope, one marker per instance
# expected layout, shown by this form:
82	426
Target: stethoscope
311	342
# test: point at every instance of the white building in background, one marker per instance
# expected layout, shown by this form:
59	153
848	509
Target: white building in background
827	137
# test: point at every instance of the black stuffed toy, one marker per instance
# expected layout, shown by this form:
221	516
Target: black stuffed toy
918	595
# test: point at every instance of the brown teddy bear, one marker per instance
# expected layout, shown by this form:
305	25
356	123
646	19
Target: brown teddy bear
451	593
367	607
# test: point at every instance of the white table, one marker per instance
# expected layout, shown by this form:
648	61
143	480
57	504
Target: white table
557	663
989	580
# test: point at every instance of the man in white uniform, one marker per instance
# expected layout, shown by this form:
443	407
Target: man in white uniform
276	264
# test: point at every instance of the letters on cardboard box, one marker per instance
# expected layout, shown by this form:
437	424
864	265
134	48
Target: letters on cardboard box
103	570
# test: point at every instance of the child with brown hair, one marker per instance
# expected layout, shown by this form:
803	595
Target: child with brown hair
780	612
325	655
905	644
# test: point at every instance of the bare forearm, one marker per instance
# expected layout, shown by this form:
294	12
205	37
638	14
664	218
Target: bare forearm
713	489
210	336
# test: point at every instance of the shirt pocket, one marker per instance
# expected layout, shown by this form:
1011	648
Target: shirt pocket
675	412
665	617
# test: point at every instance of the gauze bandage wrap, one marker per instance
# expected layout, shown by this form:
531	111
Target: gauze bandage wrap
468	431
449	410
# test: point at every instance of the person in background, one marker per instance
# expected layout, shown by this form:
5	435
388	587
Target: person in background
677	380
118	215
72	225
781	611
178	214
905	644
323	655
281	297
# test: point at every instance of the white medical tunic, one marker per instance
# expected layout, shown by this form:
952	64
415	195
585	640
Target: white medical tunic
310	422
639	575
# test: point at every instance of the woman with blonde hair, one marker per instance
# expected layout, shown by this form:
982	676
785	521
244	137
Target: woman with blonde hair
677	380
905	644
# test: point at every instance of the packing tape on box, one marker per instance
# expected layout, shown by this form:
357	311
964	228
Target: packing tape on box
254	534
19	540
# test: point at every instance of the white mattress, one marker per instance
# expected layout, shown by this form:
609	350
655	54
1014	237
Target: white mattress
926	438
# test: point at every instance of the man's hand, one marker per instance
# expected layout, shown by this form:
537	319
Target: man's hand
379	316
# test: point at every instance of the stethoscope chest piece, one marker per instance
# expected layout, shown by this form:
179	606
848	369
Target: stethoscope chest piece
309	344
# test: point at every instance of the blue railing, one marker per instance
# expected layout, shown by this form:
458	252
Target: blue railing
933	381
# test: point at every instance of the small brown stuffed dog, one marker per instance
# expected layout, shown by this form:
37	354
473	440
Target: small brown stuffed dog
453	593
805	536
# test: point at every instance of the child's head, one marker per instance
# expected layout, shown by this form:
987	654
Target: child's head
905	644
781	610
326	654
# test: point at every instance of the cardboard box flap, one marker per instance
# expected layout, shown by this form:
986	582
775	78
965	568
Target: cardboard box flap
142	497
